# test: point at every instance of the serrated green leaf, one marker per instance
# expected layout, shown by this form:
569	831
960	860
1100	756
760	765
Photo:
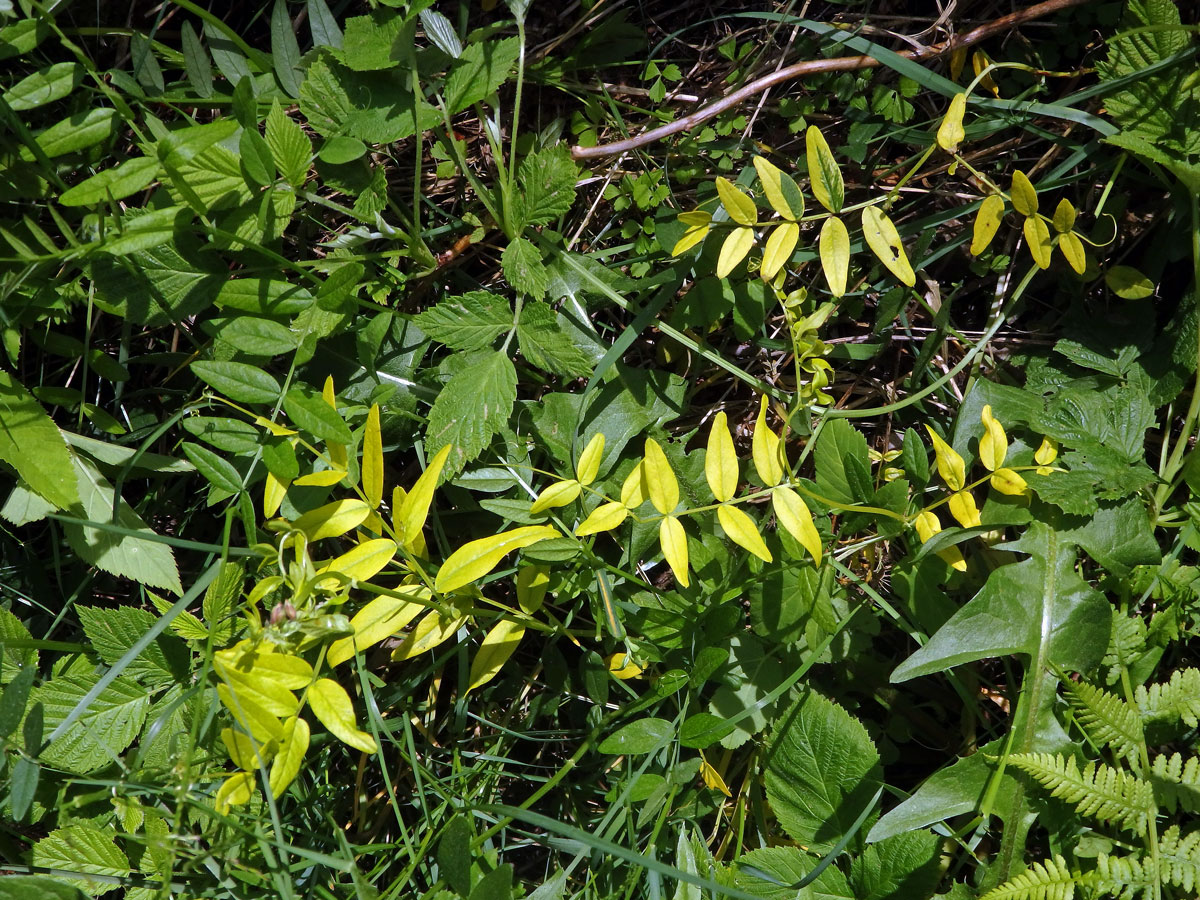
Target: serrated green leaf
524	269
472	406
109	724
112	632
290	146
13	659
546	187
238	381
545	343
31	443
82	849
471	321
483	67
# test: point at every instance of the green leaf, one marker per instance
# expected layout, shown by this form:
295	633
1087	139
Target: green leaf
75	132
1128	283
13	659
495	885
842	463
238	381
44	86
285	50
471	321
309	411
14	698
822	772
372	106
770	872
84	849
546	187
523	268
25	776
41	887
473	405
323	25
258	336
31	443
229	59
825	177
265	296
116	183
454	855
290	146
638	737
547	345
195	62
904	867
112	632
218	471
483	67
109	724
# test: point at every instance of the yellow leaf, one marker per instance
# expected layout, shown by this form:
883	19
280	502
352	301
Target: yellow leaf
1037	235
364	561
979	62
332	706
633	489
1006	481
415	508
263	725
823	172
766	449
834	245
695	217
321	478
949	464
780	190
498	645
1073	252
1128	283
691	237
1047	452
927	525
993	445
780	244
432	631
273	492
958	59
333	519
950	134
532	582
290	757
604	517
987	223
712	778
962	507
276	429
372	459
742	531
245	659
235	790
379	619
473	561
1023	194
1064	216
739	206
337	452
660	480
733	250
953	557
621	665
793	514
244	751
674	547
720	460
558	494
884	240
589	460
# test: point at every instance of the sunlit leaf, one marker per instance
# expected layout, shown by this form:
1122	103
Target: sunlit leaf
793	514
712	778
962	507
333	519
834	246
633	489
589	460
993	445
927	524
884	240
780	189
604	517
378	620
987	223
431	632
691	237
1046	453
332	705
1064	216
235	790
273	493
322	478
293	744
739	205
1037	236
558	494
1023	194
1006	481
742	531
414	509
720	460
372	459
262	724
950	133
498	645
780	244
364	561
823	172
660	480
674	547
979	63
476	559
766	449
1128	283
621	665
949	464
734	248
244	751
1072	250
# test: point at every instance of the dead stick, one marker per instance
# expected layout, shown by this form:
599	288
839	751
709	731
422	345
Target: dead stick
811	67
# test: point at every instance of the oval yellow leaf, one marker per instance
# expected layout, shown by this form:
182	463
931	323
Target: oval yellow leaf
1064	216
604	517
1046	453
262	725
235	790
432	631
364	561
949	464
742	531
793	514
660	480
673	539
1072	250
824	175
333	519
780	244
1128	283
532	582
963	508
322	478
993	445
780	189
333	707
1006	481
739	206
884	240
372	459
734	249
589	460
472	561
1037	236
498	645
766	449
293	744
273	492
379	619
558	494
927	525
695	217
693	236
987	223
950	133
415	508
244	751
633	489
1023	194
720	460
621	665
834	246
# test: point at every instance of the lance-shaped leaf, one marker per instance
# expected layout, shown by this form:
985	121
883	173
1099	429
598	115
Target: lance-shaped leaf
720	460
739	206
1037	235
733	250
987	222
660	480
793	514
698	223
558	494
993	445
604	517
332	705
473	561
432	631
780	189
742	531
364	561
332	519
674	547
1024	194
780	244
950	134
293	744
766	449
963	508
1006	481
498	645
379	619
1073	252
372	459
633	489
949	464
589	460
884	240
834	247
414	509
823	172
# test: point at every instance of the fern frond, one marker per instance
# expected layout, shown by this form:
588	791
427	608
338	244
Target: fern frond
1122	878
1179	859
1050	879
1099	791
1176	782
1125	643
1107	719
1172	701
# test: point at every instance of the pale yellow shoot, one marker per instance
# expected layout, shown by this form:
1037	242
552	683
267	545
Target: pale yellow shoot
604	517
337	452
987	223
364	561
834	247
720	460
415	508
733	250
332	706
949	464
476	559
498	645
321	478
739	206
742	531
766	449
660	480
694	234
558	494
962	507
589	460
780	190
793	514
673	539
372	459
273	493
712	778
993	445
884	240
950	134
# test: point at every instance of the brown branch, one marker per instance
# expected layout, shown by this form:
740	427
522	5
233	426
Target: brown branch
813	66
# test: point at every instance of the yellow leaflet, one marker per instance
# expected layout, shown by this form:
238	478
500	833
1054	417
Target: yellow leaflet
1064	216
235	790
953	557
532	582
993	445
432	631
612	615
1128	283
766	449
734	249
498	645
1047	452
287	671
1023	194
739	206
290	757
372	459
275	429
987	223
379	619
1073	252
958	59
323	478
621	665
720	460
558	494
694	218
633	490
415	508
742	531
794	516
589	460
472	561
927	525
1037	235
332	706
712	778
823	172
244	751
337	452
604	517
674	547
979	62
273	491
884	240
834	245
660	480
333	519
694	235
780	245
365	560
949	464
963	508
263	725
1006	481
780	189
950	134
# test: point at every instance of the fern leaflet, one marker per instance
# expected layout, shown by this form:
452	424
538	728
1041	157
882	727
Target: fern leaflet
1048	880
1172	701
1107	719
1101	791
1176	782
